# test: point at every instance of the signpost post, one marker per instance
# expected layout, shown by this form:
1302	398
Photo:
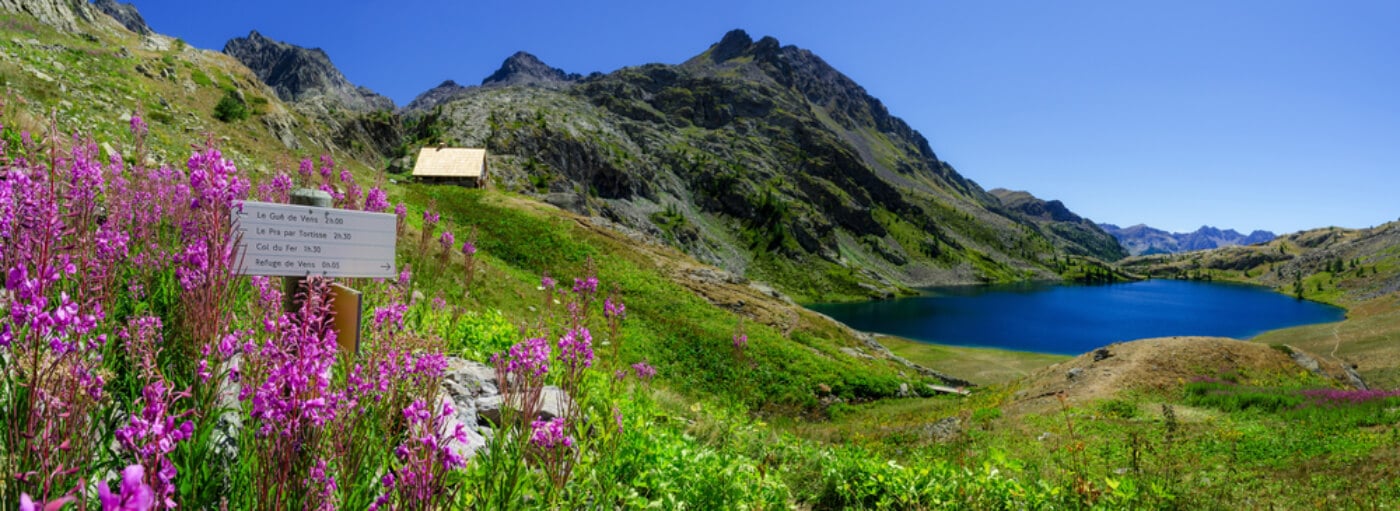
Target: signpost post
308	238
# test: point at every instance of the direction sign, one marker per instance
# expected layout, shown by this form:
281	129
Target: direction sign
295	241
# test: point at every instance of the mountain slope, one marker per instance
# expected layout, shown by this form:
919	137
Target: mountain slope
759	158
94	73
1143	240
1070	232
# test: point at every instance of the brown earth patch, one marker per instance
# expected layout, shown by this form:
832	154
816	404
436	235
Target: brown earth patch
1160	364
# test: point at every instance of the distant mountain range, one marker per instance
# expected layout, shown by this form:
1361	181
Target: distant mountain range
1143	240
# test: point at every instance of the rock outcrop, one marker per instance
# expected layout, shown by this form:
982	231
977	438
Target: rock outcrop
300	74
476	400
124	13
61	14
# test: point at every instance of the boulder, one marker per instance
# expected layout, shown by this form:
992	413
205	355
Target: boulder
553	403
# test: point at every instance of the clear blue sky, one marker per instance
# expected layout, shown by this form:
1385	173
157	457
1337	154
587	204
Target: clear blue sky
1279	115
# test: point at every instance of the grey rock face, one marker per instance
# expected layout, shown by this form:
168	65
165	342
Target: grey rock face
299	74
124	13
61	14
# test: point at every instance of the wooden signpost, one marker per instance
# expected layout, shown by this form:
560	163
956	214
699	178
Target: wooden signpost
309	238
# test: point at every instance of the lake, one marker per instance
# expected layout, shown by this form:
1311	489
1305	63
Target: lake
1073	319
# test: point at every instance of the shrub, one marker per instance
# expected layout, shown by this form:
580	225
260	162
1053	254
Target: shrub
1118	408
230	108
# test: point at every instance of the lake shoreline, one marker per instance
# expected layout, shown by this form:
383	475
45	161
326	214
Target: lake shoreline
936	353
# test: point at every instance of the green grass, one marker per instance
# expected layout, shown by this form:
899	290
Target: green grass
684	336
983	366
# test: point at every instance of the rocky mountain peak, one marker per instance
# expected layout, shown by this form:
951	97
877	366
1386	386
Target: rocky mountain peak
525	69
435	96
733	44
124	13
845	101
298	74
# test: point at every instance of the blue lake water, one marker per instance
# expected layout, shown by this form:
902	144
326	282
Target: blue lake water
1069	319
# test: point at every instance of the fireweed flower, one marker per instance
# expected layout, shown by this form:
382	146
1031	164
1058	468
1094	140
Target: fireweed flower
27	503
550	434
645	371
447	240
138	126
153	435
134	494
377	200
546	282
614	309
529	357
425	457
390	316
279	189
306	169
576	348
319	479
327	167
586	285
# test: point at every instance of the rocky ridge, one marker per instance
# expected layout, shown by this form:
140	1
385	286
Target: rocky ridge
753	156
1143	240
1070	232
300	74
124	13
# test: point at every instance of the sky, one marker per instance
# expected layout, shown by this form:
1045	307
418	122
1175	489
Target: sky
1280	115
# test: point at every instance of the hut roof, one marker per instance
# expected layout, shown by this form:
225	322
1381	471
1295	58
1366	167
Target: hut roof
450	162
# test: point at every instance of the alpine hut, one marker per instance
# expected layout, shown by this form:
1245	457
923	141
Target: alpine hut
452	165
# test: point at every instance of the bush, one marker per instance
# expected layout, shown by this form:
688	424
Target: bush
230	108
1118	408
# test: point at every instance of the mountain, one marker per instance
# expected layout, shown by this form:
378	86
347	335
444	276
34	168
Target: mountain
1070	232
753	156
526	69
299	74
124	13
1143	240
435	96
